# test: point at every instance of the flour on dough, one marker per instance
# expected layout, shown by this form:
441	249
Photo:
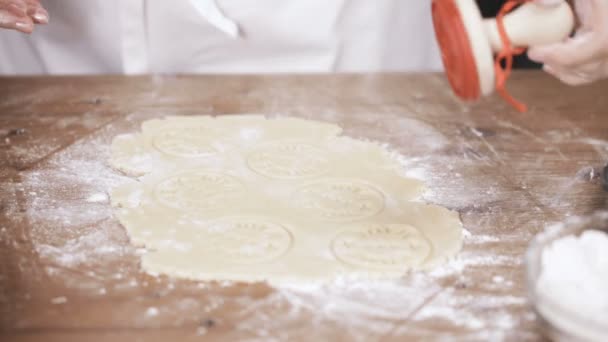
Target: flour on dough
247	198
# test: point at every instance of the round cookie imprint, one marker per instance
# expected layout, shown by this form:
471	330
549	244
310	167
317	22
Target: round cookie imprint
198	190
382	247
246	240
185	141
339	200
288	160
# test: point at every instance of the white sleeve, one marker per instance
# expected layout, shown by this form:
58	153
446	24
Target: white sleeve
212	13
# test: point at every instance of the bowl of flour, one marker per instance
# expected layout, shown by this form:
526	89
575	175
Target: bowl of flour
567	278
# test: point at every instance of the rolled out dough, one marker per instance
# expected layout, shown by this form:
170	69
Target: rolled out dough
248	198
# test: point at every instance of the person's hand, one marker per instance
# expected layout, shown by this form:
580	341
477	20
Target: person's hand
22	15
583	58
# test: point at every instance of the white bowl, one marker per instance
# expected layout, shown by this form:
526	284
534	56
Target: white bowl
558	321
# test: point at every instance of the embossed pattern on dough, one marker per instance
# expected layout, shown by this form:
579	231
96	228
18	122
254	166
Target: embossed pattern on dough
247	198
382	247
339	200
288	160
244	240
185	142
198	190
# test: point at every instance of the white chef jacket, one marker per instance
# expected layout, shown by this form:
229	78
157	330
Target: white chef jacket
224	36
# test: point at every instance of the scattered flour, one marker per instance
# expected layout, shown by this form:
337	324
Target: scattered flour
152	312
76	236
82	250
59	300
97	198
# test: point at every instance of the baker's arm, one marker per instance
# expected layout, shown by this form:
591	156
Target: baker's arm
583	58
22	15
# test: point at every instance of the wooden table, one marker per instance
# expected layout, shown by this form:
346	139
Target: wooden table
68	272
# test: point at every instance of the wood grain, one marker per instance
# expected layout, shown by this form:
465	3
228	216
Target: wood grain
508	174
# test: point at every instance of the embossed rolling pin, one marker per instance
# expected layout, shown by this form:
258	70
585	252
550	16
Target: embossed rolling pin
474	49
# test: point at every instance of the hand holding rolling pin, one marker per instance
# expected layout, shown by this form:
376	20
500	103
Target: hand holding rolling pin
22	15
583	58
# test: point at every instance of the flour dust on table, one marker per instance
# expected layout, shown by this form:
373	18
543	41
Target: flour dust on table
247	198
